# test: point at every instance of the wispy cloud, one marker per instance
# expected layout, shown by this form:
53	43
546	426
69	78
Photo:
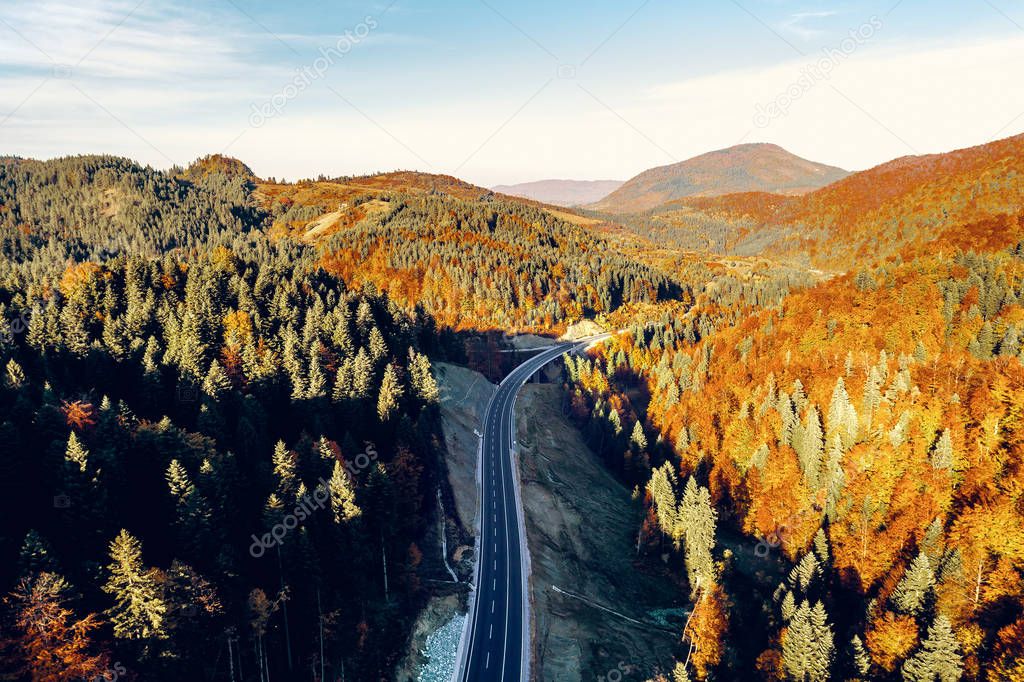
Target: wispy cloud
797	24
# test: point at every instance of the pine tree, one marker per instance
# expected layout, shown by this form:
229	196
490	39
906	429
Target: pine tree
821	546
362	375
217	383
910	595
14	376
788	606
316	381
859	656
286	469
805	573
138	611
638	438
390	393
698	519
76	455
811	448
423	383
661	488
378	348
613	419
342	381
938	659
178	481
36	556
808	645
842	418
343	495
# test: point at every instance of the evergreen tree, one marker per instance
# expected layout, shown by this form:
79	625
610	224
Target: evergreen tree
343	495
808	645
698	519
938	659
638	438
390	393
76	455
423	383
911	594
217	383
36	556
14	375
138	611
859	657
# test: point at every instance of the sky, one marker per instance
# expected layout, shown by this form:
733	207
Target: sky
505	91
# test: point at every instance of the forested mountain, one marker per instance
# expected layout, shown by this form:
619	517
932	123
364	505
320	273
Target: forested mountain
210	443
956	200
743	168
562	192
484	263
836	472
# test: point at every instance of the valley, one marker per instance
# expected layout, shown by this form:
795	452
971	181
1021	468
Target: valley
258	407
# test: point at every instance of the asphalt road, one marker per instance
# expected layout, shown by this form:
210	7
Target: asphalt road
497	648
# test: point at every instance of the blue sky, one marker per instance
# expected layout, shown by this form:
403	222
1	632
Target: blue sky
500	91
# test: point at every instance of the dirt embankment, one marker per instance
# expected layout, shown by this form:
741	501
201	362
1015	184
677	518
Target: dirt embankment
592	608
464	397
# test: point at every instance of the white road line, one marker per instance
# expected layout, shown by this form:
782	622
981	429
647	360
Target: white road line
491	635
488	663
492	606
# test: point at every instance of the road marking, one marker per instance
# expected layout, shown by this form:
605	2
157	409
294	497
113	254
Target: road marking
492	606
488	663
491	635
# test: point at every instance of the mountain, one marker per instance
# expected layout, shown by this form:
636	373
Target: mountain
562	192
967	199
744	168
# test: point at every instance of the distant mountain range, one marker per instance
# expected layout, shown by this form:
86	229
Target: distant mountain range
744	168
965	199
562	192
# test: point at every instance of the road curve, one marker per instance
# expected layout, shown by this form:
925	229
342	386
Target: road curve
495	644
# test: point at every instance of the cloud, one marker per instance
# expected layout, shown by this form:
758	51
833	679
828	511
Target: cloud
796	24
173	85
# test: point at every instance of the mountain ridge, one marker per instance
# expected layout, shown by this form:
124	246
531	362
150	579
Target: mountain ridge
561	192
741	168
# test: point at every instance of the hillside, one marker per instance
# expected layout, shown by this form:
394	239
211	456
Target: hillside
562	192
858	445
962	199
744	168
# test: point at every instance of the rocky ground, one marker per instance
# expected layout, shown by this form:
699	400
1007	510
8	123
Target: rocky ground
595	616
